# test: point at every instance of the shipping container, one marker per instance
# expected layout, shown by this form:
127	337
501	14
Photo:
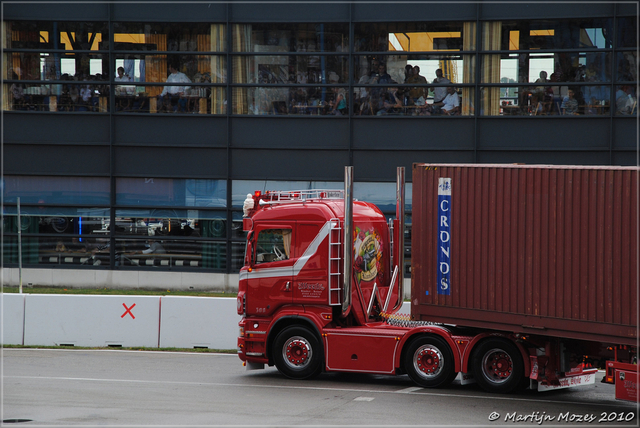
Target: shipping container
545	250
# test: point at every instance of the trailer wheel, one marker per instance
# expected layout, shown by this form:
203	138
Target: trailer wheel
429	362
498	366
297	353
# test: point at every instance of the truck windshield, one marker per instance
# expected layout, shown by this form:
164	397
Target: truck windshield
273	245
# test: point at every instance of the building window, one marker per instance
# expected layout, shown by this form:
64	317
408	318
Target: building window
414	69
170	68
553	67
284	73
55	66
170	192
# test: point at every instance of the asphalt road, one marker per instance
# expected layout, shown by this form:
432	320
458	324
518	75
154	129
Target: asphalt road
129	388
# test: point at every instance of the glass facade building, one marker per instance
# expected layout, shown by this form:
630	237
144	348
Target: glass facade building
132	142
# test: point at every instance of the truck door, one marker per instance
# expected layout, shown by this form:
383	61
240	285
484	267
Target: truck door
269	282
310	280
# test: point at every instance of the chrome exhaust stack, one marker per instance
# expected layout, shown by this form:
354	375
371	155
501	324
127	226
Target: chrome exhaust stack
400	184
348	240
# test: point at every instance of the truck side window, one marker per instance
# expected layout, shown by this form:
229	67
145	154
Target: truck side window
273	245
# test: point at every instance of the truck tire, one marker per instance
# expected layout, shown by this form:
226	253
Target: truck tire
429	362
498	366
297	353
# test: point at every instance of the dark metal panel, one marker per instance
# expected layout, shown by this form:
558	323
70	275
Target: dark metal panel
569	243
535	133
545	157
255	164
286	133
627	158
413	12
379	165
170	162
49	11
625	133
168	129
289	12
416	134
627	9
170	12
533	10
55	128
55	160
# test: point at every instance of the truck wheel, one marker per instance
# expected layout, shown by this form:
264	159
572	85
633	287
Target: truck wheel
429	362
297	353
498	366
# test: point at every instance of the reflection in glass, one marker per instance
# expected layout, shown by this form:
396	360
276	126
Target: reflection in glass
626	100
67	35
309	101
411	101
627	32
546	67
162	252
197	99
64	97
55	190
290	38
57	220
415	36
57	66
191	37
383	195
456	68
283	69
171	192
547	100
168	222
627	66
154	68
548	34
241	188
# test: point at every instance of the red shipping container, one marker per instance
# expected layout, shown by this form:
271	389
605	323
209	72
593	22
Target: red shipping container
550	250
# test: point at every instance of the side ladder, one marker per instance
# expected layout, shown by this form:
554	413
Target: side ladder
335	285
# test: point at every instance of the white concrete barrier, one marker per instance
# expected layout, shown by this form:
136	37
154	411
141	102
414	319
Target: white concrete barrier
127	321
12	318
189	322
85	320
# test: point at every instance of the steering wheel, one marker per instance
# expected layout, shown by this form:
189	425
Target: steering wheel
278	253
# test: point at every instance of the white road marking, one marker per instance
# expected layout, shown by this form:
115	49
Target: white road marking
364	399
409	390
423	391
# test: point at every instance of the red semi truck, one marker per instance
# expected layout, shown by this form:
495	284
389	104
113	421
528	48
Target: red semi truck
521	275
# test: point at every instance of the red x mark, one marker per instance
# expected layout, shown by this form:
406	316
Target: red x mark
128	311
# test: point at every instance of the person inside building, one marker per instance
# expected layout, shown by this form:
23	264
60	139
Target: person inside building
339	106
77	245
154	248
440	92
60	247
569	104
173	97
450	105
391	103
418	94
626	103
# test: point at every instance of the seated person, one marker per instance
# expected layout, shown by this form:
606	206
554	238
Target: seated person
391	103
173	98
451	103
570	104
154	248
60	248
78	246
